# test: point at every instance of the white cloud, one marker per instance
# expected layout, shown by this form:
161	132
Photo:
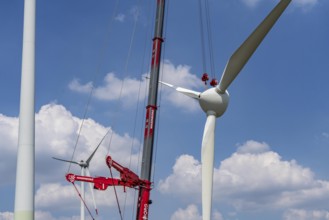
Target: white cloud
8	131
130	89
253	147
120	17
56	195
252	180
75	85
44	215
56	134
65	197
217	216
185	178
192	213
180	76
6	216
39	215
8	146
301	214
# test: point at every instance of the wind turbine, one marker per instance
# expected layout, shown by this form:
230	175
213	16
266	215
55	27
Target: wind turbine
214	101
84	170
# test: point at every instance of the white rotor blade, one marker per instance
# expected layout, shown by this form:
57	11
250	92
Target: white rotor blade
69	161
207	161
93	153
92	192
245	51
188	92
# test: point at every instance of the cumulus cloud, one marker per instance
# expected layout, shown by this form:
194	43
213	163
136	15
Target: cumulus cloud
76	86
132	89
39	215
6	216
56	134
302	214
253	147
180	76
253	178
8	146
56	195
192	213
185	178
65	197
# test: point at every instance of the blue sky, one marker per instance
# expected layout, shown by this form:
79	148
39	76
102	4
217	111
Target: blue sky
271	144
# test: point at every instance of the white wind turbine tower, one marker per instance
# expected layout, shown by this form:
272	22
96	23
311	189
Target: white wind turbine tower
214	101
25	173
84	171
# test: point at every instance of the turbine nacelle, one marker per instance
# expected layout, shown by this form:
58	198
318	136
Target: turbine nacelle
214	102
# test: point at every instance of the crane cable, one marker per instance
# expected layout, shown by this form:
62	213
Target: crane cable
83	201
124	75
203	49
102	55
209	32
120	97
206	30
137	110
116	196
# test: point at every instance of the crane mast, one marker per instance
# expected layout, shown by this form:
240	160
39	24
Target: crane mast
151	109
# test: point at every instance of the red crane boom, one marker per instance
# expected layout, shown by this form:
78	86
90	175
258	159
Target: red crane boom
127	179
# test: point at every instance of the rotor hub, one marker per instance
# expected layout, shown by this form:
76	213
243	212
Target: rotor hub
213	101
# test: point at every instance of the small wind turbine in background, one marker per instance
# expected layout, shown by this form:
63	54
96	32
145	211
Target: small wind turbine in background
214	101
84	171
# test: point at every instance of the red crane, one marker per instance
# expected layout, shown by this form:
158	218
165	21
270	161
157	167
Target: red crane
127	177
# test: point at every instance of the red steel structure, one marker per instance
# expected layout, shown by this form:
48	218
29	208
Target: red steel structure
127	179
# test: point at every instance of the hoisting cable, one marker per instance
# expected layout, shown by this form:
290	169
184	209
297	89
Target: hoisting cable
84	202
143	94
203	49
138	95
136	115
124	75
133	214
92	87
116	196
80	128
209	32
120	97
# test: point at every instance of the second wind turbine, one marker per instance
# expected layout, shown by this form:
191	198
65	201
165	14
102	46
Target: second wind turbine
214	101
